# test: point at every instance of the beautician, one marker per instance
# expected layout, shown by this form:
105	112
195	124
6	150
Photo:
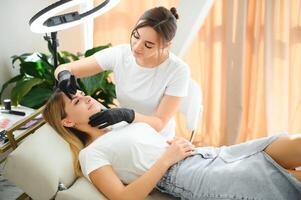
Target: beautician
150	80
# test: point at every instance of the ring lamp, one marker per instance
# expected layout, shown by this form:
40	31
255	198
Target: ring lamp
47	20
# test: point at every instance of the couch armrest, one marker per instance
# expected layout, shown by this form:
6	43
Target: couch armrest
40	163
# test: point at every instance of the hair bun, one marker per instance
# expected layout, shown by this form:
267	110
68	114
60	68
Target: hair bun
173	10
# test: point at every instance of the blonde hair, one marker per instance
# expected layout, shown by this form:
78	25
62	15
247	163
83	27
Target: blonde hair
53	113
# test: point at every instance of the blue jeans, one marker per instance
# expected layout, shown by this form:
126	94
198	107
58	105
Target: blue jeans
241	171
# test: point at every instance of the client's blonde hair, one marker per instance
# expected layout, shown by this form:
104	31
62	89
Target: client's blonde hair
53	113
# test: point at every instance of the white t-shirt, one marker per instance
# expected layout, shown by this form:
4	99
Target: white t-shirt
142	88
131	150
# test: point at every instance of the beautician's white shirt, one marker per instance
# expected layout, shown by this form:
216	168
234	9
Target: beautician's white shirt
131	150
142	88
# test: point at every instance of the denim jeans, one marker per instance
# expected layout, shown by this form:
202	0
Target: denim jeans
241	171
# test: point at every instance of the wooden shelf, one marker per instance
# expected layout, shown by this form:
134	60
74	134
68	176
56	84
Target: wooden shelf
14	138
21	136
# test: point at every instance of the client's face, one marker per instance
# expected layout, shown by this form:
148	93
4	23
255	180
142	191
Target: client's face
80	108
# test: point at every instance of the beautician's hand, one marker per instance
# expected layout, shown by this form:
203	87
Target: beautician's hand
67	83
112	116
179	149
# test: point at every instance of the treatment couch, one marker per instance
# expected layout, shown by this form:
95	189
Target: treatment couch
42	167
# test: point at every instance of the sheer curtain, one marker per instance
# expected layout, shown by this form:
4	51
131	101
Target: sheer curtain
246	58
273	66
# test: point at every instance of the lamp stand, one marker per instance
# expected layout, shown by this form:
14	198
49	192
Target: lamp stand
53	42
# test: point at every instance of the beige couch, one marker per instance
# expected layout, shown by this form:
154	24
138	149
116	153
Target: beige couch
42	167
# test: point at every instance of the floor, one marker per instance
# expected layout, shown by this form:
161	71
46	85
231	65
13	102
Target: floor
8	191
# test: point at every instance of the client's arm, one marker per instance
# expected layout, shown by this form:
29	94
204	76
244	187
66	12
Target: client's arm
106	180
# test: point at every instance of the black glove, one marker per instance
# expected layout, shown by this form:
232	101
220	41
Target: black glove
67	83
112	116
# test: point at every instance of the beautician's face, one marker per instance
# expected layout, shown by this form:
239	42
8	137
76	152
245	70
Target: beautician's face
80	107
145	43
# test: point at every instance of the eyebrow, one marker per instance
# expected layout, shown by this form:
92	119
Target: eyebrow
145	40
76	96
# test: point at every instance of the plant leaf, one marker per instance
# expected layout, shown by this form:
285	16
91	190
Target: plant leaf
61	60
69	55
93	83
100	88
35	69
66	57
48	72
22	87
82	86
12	80
21	58
36	97
96	49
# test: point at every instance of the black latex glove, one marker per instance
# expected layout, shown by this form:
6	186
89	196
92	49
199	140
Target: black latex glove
111	116
67	83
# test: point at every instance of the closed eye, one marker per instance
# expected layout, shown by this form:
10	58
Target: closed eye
147	46
135	35
76	102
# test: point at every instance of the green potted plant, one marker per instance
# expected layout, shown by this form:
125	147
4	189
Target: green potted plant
35	82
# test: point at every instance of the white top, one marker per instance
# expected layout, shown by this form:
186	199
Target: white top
141	88
131	150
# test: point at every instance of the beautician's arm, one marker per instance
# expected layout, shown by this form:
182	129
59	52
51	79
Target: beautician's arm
106	180
81	68
167	108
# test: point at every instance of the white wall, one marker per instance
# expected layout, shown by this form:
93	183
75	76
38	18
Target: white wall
16	37
192	16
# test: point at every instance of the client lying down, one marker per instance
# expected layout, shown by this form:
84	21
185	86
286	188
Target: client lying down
129	161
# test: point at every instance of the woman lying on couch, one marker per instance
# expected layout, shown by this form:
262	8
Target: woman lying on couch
122	164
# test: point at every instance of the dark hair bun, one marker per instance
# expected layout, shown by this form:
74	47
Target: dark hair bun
173	10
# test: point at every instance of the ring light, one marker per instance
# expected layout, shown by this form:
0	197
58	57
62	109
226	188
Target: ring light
47	20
